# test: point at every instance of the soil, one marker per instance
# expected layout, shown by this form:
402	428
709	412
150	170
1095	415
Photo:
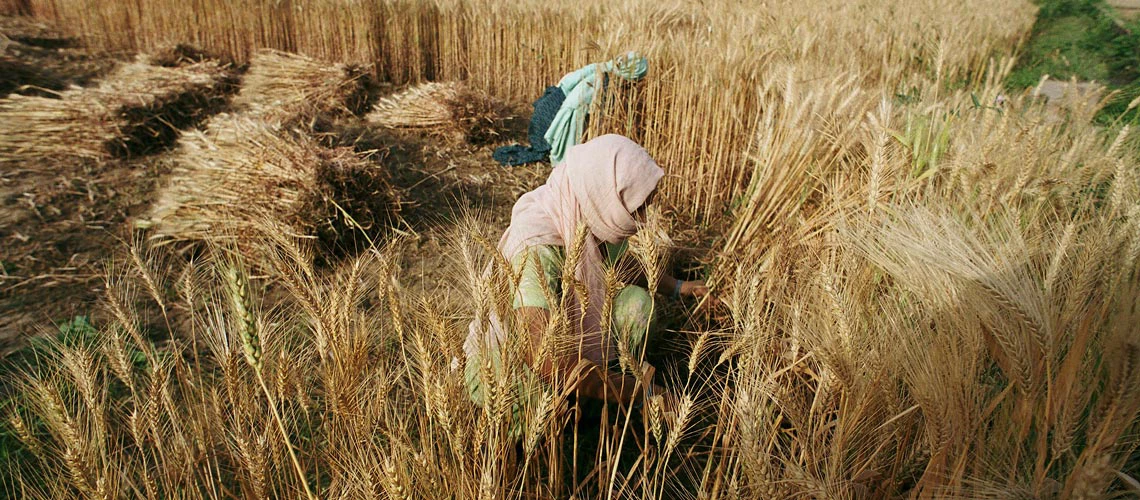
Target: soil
61	222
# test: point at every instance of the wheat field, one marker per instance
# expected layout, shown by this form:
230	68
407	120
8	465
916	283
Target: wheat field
928	286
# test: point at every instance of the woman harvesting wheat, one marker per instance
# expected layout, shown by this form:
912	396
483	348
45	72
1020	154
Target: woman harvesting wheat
591	203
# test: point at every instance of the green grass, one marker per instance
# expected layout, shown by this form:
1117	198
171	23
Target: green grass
1061	48
1078	39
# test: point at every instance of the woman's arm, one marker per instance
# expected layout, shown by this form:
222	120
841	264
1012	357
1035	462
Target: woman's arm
688	288
667	285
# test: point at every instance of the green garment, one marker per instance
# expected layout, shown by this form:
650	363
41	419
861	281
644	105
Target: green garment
542	271
579	87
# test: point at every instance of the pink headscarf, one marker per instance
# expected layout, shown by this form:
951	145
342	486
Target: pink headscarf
600	184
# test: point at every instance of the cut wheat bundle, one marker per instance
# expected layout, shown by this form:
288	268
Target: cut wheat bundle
242	172
138	109
285	87
449	109
177	55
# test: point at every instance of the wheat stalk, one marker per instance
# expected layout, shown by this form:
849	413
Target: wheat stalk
242	306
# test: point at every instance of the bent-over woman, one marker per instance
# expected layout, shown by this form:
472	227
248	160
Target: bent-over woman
604	184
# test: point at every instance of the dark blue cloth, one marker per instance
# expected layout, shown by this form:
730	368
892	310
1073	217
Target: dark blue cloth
544	110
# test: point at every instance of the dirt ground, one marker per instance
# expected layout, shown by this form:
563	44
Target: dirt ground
60	223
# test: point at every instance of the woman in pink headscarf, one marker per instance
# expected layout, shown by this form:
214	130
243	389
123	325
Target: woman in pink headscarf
603	185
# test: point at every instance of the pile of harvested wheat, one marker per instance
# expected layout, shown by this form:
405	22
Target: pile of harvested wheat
242	173
285	88
448	109
177	55
137	109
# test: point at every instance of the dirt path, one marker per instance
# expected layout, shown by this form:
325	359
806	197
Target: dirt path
1055	92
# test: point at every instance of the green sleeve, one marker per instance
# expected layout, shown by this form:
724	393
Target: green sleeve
614	252
541	269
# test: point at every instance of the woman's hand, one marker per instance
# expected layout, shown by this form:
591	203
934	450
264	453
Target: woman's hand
699	290
696	289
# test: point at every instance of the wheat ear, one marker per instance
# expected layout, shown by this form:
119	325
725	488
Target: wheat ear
238	287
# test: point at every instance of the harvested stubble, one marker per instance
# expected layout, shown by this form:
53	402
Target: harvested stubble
241	172
449	109
138	109
286	88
